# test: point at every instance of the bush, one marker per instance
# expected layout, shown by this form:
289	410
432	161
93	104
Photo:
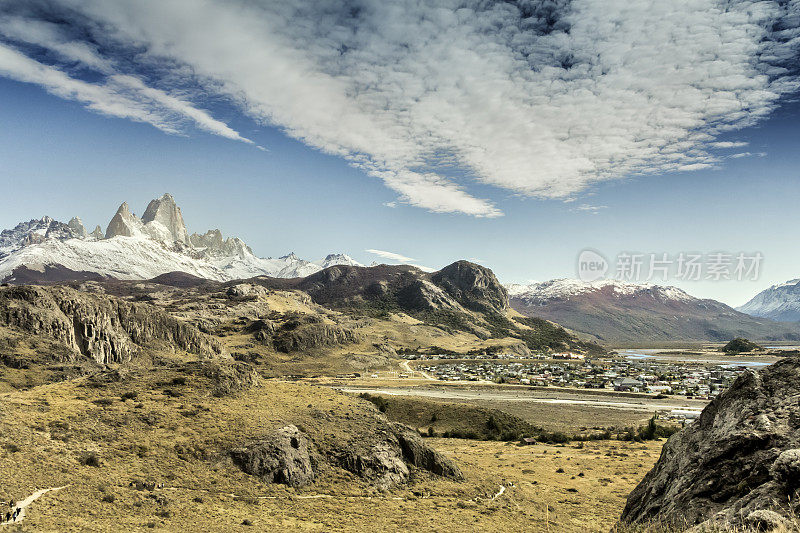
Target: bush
130	395
653	430
90	459
379	401
108	498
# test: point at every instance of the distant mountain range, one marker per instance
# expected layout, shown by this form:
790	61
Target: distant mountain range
138	248
158	244
780	302
613	311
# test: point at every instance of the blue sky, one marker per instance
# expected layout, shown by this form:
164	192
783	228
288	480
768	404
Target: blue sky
519	202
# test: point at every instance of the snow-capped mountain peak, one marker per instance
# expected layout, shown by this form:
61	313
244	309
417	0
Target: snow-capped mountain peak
780	302
337	259
165	218
564	288
141	248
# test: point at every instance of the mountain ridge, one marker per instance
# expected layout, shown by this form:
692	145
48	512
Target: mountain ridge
615	311
779	302
45	249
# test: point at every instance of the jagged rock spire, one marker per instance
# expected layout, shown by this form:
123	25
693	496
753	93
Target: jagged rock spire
166	212
77	227
124	223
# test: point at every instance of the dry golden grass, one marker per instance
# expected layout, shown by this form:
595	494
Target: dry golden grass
176	434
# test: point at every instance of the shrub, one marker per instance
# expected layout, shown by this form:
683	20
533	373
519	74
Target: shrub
90	459
379	401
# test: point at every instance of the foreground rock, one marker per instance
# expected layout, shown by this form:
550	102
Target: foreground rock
281	457
384	459
737	466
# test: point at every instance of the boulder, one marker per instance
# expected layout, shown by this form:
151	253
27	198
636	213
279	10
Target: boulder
280	457
385	460
230	377
737	465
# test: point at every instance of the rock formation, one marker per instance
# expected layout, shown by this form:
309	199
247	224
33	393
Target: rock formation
124	223
106	329
78	230
280	457
385	460
473	286
164	214
737	466
299	334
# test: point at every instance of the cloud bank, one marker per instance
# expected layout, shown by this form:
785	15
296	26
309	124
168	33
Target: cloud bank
440	98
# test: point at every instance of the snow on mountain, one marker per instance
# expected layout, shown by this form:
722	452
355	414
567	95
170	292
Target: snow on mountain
561	289
134	248
337	259
780	302
616	312
32	232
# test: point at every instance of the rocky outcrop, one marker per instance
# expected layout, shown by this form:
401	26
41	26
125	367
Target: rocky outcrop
283	456
737	466
230	377
473	286
385	459
310	332
419	454
104	328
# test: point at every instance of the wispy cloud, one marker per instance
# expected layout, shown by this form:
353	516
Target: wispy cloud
593	209
540	99
728	144
400	258
120	95
391	255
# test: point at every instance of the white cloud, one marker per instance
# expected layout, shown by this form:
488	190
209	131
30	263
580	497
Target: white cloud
100	98
120	95
400	258
391	255
728	144
540	99
593	209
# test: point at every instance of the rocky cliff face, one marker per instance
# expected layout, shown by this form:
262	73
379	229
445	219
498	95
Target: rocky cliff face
124	223
737	466
164	214
101	327
473	286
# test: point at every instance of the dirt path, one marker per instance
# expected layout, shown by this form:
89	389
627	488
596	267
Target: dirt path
23	504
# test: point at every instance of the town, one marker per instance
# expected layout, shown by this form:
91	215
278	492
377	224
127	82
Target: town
692	380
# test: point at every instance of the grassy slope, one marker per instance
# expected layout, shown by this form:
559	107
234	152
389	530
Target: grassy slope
175	439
